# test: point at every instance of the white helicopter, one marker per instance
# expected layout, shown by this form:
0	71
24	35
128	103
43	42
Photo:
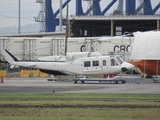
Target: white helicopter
76	63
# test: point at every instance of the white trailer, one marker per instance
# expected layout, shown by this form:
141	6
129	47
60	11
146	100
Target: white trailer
33	48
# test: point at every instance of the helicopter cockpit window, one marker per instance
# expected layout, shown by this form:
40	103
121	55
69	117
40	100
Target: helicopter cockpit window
95	63
119	59
87	63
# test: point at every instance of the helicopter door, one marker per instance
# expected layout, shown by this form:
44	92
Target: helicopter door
114	66
105	64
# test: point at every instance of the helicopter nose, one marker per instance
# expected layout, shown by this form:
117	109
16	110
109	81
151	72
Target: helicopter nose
126	67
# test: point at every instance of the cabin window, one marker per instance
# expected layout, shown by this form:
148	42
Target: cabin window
104	62
112	62
95	63
87	63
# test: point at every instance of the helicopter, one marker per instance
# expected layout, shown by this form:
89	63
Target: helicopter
76	63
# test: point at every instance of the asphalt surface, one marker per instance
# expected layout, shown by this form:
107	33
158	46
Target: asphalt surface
134	84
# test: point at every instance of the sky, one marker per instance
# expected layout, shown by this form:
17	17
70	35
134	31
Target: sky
30	9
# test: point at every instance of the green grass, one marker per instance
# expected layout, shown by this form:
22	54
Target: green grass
78	102
80	114
60	95
79	109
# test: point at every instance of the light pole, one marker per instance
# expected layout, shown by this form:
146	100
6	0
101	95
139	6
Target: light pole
19	17
60	16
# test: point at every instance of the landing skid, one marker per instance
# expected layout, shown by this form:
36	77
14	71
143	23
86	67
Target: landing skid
100	80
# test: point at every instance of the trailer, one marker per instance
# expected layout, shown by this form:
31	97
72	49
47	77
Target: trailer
27	48
115	79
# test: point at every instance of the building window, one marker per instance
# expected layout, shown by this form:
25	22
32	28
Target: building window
87	63
95	63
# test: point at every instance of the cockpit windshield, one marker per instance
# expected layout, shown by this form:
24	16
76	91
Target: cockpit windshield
116	60
119	59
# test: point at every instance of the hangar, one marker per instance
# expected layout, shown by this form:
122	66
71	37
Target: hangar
95	26
98	26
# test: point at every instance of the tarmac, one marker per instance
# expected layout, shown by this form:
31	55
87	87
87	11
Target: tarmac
134	84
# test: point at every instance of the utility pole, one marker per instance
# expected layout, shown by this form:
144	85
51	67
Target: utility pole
112	27
158	24
19	16
60	17
66	30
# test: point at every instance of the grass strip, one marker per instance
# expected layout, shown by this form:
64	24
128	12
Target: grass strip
79	109
62	95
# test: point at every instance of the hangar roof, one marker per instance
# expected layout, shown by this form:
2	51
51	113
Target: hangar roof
117	17
42	34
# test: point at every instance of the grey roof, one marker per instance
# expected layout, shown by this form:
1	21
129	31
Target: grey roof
117	17
43	34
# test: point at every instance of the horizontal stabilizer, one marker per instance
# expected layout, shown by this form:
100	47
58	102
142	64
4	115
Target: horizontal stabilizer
12	66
